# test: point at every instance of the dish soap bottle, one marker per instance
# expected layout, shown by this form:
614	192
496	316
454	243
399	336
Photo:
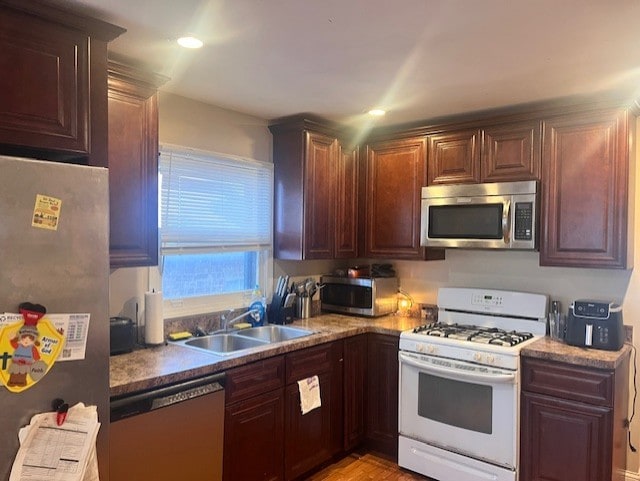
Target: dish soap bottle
259	304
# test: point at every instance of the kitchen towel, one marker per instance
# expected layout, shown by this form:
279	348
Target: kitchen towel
309	394
153	318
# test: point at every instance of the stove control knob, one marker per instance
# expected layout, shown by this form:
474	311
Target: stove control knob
431	349
491	359
477	357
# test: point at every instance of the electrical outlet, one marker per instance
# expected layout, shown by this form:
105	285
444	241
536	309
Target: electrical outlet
628	334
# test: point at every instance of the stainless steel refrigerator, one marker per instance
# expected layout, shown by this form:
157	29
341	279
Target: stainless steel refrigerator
67	271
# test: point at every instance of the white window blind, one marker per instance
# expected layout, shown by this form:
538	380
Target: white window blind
213	202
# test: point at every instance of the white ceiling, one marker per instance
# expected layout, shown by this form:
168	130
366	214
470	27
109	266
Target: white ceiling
419	59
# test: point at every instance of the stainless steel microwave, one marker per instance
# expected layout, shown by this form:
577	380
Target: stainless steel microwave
501	215
363	296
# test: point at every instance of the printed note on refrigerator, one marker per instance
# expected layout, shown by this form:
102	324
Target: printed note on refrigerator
74	327
58	453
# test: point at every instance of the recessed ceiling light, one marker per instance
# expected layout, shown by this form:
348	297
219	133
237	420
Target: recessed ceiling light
190	42
377	112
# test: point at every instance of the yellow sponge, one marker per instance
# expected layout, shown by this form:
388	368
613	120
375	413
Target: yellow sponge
243	325
177	336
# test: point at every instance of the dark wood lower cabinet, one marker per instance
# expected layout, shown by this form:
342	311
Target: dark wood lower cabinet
355	390
307	436
382	394
268	438
573	422
254	438
266	435
315	437
566	439
254	420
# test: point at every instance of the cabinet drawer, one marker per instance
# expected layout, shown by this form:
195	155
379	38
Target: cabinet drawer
312	361
255	378
591	386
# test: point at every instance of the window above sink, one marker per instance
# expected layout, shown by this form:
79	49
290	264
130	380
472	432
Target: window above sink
215	224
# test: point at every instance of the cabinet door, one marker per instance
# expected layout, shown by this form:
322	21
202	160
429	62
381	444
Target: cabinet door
355	388
312	438
319	197
346	193
253	438
585	190
308	437
382	394
511	152
564	440
454	157
133	169
44	86
395	176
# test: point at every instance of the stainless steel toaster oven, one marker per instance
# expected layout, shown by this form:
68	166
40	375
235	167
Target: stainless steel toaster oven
362	296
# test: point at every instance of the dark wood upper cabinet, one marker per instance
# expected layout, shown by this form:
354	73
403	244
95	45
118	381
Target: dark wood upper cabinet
395	174
133	165
53	88
578	148
346	212
585	189
316	196
497	153
454	157
319	199
511	152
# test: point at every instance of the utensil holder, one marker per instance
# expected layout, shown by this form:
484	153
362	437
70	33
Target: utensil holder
303	307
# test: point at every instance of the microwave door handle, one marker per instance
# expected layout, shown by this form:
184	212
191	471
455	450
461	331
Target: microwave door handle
506	222
452	373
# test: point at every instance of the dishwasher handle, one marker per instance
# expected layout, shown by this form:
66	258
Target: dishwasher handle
131	405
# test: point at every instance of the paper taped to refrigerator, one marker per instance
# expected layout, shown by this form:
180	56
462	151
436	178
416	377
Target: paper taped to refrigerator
58	453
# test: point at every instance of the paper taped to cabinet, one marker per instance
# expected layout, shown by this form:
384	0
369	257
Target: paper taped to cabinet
309	394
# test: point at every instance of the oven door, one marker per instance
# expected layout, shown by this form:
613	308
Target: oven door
460	407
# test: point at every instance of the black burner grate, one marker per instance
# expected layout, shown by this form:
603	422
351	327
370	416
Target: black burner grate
483	335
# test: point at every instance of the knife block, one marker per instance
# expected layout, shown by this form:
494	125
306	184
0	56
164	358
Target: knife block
280	314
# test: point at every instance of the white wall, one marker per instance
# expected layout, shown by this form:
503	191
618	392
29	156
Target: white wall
517	271
194	124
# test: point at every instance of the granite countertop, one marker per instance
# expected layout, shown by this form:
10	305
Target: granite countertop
147	368
554	350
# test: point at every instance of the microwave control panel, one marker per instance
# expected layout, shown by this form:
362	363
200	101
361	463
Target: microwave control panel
523	229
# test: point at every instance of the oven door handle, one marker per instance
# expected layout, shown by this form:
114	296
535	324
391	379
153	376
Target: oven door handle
457	374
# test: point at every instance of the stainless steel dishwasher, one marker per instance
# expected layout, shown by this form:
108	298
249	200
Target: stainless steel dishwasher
169	433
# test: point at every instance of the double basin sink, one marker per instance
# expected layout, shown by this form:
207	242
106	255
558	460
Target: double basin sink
227	343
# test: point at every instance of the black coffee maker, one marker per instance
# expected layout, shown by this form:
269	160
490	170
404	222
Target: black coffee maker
595	324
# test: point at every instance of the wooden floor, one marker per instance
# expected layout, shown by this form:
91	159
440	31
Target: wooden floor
360	467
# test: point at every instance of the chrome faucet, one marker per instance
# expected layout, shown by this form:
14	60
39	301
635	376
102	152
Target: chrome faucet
227	323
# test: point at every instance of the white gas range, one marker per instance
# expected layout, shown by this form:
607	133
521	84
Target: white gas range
460	384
